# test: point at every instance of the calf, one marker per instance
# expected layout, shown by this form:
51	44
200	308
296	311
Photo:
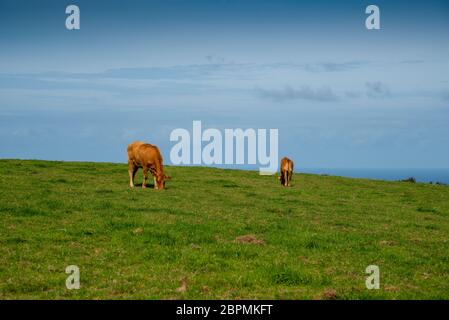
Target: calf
148	157
286	172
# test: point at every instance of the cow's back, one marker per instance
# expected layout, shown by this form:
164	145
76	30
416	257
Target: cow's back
144	154
286	164
132	149
136	152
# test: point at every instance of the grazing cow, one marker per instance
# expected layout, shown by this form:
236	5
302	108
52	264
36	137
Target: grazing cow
286	172
148	157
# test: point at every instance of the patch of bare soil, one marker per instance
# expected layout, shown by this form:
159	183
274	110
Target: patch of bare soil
249	239
328	294
183	287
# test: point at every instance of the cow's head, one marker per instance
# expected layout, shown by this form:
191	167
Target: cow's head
160	181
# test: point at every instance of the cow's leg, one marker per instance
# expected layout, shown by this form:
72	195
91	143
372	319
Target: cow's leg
153	173
285	178
289	178
132	169
145	177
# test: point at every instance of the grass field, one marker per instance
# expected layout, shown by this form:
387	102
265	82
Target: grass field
311	241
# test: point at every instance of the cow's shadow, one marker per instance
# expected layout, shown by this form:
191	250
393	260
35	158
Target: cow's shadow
148	185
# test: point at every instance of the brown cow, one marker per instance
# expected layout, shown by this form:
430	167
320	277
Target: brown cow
148	157
286	172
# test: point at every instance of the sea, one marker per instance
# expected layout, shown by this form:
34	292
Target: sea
390	174
421	175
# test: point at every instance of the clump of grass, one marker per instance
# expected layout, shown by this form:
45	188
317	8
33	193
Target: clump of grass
289	277
427	209
410	180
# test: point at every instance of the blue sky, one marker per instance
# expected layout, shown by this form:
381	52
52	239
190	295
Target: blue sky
340	95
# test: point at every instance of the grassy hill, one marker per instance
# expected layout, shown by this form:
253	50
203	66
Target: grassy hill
311	241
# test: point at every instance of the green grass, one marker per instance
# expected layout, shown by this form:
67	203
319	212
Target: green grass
319	235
